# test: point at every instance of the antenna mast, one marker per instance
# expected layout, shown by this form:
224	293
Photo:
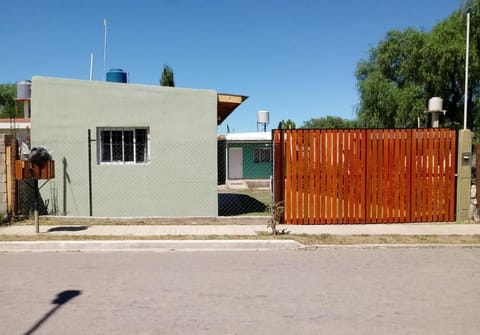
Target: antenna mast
105	49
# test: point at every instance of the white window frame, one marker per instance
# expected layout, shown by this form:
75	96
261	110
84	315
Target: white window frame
100	146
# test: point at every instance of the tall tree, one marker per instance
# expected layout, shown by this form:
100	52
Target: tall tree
408	67
167	78
392	92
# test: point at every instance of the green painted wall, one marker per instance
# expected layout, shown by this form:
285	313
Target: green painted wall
252	170
179	180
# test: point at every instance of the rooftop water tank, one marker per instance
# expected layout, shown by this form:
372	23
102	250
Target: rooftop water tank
263	117
117	76
24	90
435	104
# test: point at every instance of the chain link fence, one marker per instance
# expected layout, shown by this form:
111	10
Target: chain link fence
119	181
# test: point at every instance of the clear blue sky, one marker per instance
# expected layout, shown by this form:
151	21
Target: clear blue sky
294	58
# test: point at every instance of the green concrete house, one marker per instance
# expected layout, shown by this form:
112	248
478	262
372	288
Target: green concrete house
153	148
248	159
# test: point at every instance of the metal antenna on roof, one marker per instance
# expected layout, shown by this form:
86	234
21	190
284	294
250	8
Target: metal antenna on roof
105	49
91	66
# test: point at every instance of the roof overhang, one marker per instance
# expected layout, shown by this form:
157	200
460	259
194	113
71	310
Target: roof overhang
226	104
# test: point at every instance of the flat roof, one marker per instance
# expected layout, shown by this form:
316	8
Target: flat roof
15	123
258	136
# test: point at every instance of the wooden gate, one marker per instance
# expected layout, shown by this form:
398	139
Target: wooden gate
365	176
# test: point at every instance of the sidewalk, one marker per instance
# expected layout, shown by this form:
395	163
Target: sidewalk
244	230
146	231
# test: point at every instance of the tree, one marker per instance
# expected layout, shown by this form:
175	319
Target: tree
329	122
288	124
392	92
408	67
7	100
167	78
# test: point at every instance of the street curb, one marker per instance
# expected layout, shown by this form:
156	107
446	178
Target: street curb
149	245
389	246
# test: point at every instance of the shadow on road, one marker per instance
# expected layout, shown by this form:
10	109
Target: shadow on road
67	228
61	299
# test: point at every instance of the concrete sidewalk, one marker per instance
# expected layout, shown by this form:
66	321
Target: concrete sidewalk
243	230
146	231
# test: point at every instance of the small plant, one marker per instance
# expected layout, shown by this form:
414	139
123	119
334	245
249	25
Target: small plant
276	209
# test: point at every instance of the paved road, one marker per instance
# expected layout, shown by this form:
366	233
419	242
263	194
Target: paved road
328	291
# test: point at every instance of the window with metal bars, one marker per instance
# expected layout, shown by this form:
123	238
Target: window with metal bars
123	145
262	155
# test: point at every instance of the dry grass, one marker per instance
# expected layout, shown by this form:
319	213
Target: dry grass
322	239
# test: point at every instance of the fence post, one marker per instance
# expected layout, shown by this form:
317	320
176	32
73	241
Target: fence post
278	170
464	174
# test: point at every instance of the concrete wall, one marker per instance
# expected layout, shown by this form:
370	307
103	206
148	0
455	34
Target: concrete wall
179	180
4	141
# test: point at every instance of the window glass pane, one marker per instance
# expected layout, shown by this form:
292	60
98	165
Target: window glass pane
106	155
117	151
140	145
128	145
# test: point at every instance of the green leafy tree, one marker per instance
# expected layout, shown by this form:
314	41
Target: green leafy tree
392	90
167	78
329	122
288	124
408	67
7	100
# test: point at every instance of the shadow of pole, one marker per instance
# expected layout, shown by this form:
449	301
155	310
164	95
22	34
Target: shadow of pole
61	299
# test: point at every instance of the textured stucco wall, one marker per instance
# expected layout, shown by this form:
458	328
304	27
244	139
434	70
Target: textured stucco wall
181	176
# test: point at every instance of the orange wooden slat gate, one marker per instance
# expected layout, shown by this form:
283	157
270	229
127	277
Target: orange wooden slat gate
365	176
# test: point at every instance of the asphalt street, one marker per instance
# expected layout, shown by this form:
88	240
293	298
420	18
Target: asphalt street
326	291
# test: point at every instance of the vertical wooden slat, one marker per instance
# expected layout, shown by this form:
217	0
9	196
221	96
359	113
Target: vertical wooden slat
369	181
354	173
348	182
394	177
362	165
409	176
289	173
304	177
318	173
330	179
311	176
401	163
452	170
324	181
334	177
295	166
340	181
390	178
436	175
433	136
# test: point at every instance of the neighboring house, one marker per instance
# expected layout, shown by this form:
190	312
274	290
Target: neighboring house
19	128
153	148
10	129
248	160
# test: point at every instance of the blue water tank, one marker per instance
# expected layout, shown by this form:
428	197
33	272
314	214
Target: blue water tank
117	76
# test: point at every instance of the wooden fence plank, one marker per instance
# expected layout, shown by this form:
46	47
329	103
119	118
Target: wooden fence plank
313	173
